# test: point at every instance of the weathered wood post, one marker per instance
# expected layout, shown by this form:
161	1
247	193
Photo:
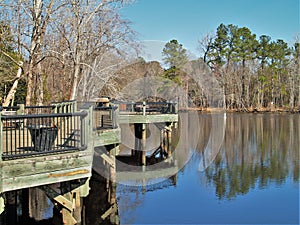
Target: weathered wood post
162	144
144	135
21	109
170	107
115	116
166	144
169	134
137	142
144	108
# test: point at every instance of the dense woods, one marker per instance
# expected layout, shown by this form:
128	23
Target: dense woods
65	50
254	72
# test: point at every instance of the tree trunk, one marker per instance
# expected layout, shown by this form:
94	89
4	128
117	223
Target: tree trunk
11	94
40	91
292	92
75	82
29	85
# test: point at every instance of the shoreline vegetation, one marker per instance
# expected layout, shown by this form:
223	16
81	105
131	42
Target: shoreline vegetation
245	110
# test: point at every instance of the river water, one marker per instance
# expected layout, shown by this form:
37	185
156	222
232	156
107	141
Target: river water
225	169
232	169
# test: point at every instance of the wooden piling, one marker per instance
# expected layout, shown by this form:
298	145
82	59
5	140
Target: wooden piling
144	136
169	135
162	144
166	144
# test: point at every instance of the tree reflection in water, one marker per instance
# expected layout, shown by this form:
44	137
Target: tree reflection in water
257	150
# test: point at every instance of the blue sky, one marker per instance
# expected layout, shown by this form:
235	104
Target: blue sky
159	21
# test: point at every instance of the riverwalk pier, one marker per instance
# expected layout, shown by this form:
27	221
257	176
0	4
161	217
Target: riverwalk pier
60	144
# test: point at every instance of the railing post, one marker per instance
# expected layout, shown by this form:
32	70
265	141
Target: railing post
144	108
21	109
170	107
115	116
74	106
55	108
175	104
88	127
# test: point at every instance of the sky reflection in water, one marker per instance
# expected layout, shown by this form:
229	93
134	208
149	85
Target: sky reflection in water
253	180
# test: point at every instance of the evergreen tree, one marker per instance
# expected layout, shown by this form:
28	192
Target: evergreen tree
174	55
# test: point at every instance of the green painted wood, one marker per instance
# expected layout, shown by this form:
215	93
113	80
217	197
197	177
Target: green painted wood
146	175
109	159
42	170
16	183
38	165
107	137
2	204
155	118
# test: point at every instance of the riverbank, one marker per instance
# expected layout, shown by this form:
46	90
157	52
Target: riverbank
248	110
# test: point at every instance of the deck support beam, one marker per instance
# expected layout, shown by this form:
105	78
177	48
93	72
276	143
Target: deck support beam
69	200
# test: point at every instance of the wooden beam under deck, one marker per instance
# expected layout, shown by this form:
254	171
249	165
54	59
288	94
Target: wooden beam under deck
107	137
37	171
149	118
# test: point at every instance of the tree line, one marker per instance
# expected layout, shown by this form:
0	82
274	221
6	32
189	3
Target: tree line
253	72
64	50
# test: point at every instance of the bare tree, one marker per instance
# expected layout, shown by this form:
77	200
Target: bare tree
29	20
92	31
205	45
76	35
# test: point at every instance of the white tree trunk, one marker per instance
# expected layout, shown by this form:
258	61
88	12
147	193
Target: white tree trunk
11	94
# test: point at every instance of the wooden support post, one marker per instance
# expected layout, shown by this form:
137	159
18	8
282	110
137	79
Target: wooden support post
84	189
162	144
67	216
169	131
144	136
138	137
112	169
11	207
70	201
166	140
25	205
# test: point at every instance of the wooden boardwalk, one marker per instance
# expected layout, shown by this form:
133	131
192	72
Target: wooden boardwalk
40	146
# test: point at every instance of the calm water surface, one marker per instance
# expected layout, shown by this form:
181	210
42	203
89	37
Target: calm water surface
238	169
253	178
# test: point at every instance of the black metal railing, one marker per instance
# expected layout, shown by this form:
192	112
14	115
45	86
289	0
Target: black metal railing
33	134
105	117
45	109
65	106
